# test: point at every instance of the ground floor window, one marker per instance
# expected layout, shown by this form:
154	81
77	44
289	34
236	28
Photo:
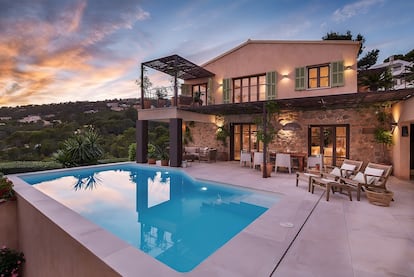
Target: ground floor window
330	140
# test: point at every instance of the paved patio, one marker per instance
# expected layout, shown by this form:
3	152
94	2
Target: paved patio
335	238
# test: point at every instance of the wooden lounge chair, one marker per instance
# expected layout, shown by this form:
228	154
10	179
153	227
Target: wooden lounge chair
313	168
348	168
330	179
329	184
375	175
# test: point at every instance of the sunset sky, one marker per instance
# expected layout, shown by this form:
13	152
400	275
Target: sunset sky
55	51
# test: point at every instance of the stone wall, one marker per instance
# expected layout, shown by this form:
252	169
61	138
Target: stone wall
204	135
293	132
294	135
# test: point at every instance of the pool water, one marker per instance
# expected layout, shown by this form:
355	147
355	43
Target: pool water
163	212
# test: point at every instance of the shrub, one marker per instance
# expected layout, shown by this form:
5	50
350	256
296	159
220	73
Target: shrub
132	151
27	166
6	189
82	149
10	262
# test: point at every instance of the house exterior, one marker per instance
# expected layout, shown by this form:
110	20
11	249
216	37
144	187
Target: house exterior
398	69
313	82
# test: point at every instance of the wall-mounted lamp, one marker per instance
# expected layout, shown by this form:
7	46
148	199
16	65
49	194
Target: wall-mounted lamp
284	76
348	67
393	126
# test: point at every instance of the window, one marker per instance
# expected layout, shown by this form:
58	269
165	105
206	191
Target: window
318	76
200	90
252	88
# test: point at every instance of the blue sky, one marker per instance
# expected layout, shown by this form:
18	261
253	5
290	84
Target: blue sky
55	51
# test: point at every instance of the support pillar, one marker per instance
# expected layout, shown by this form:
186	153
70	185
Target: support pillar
176	142
142	141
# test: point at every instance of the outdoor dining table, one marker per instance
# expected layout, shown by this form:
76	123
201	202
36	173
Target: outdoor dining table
295	155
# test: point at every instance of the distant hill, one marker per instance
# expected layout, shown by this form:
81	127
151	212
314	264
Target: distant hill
35	132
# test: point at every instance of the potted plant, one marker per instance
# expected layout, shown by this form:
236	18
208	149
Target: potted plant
163	154
197	98
11	262
266	132
152	154
161	93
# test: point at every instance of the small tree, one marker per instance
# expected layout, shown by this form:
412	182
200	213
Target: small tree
266	129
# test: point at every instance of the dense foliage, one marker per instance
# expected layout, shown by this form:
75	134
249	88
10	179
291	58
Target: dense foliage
38	140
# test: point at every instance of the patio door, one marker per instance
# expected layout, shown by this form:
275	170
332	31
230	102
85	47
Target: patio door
330	140
243	137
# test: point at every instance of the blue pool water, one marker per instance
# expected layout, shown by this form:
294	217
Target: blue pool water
163	212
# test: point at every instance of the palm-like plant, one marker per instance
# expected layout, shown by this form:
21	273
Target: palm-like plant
82	149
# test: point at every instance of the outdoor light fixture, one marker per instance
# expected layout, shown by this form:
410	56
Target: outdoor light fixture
348	67
393	126
284	76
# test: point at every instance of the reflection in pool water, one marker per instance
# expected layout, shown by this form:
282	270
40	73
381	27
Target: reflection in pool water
166	214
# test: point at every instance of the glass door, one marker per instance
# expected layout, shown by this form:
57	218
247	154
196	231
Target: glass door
330	140
244	138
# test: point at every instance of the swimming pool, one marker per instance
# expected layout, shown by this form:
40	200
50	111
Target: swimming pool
161	211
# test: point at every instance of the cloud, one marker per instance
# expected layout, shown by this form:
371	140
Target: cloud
45	46
355	8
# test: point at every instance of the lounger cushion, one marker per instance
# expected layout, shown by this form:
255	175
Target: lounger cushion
370	179
336	171
375	172
348	167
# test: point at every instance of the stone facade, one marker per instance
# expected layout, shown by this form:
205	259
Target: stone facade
292	134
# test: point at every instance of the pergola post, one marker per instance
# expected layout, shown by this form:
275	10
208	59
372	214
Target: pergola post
142	86
176	142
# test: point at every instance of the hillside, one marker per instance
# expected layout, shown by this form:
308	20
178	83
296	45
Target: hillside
35	132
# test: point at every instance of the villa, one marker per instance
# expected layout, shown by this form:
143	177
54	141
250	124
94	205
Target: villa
298	233
315	85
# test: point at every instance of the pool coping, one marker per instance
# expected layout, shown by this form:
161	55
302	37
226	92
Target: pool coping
256	250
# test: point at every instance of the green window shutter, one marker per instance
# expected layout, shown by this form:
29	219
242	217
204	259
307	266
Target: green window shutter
186	89
210	91
300	78
271	80
226	91
337	74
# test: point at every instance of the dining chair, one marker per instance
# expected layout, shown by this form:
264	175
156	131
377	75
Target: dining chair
257	159
283	160
245	157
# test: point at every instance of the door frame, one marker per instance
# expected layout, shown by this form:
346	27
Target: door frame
333	126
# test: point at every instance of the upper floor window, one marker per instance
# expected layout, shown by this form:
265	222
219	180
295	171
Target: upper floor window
318	76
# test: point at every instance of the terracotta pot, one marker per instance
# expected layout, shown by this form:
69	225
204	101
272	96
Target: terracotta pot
164	162
269	169
151	161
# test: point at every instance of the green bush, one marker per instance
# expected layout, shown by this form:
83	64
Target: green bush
112	160
27	166
132	151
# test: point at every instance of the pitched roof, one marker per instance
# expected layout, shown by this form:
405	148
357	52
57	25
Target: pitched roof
249	41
